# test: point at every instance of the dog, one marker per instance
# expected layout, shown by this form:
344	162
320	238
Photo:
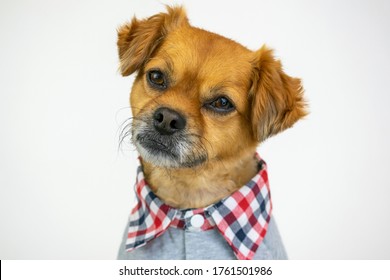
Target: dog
201	104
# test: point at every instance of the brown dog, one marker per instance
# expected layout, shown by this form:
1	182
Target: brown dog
201	105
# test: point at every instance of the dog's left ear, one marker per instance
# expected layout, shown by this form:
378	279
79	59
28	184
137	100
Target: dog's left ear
276	98
138	39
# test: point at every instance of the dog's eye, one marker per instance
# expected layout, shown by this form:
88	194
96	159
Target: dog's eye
221	105
156	78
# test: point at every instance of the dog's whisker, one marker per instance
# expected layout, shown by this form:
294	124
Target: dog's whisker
124	131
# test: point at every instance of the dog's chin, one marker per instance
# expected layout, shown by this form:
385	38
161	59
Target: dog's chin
160	155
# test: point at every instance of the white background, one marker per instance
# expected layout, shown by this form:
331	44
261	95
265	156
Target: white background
66	191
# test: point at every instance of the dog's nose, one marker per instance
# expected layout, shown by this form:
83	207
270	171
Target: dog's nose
167	121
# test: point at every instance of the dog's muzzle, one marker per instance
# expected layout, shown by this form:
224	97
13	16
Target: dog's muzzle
163	139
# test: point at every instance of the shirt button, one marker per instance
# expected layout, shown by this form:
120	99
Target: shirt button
197	221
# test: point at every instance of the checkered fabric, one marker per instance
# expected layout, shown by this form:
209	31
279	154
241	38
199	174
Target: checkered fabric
242	218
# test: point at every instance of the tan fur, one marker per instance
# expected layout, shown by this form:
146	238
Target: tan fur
201	66
202	186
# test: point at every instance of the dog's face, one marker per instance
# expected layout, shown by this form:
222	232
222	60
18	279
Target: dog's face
200	97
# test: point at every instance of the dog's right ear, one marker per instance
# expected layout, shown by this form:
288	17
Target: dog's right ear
137	40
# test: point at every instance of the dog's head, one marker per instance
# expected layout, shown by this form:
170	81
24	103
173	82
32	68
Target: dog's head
199	96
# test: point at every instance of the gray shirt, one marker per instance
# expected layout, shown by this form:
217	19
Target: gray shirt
176	244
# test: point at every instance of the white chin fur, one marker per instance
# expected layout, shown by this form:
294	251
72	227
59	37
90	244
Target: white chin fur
182	151
155	159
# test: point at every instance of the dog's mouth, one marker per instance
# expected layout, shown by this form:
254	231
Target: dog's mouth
181	150
156	146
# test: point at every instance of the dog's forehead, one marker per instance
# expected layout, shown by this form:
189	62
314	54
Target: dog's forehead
194	50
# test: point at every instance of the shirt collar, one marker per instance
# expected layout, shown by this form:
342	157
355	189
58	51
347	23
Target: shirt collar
242	218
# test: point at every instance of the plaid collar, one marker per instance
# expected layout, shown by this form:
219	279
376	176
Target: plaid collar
242	218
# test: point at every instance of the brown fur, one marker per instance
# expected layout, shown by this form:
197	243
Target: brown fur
201	66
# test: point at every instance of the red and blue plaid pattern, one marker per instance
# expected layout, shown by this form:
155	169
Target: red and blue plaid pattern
242	218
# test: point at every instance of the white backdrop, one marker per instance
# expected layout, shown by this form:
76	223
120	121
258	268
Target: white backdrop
65	190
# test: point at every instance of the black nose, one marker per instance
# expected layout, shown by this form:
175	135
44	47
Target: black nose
167	121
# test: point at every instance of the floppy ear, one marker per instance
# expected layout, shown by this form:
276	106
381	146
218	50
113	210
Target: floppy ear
277	99
137	40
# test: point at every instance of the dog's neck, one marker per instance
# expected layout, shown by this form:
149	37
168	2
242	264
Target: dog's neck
201	186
